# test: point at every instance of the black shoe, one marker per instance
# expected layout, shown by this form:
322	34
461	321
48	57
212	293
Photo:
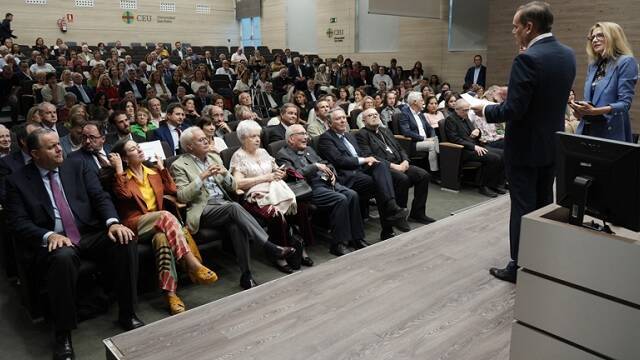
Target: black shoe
339	249
401	225
247	282
509	273
284	268
358	244
395	213
279	252
486	192
422	219
384	235
499	190
63	348
130	322
306	261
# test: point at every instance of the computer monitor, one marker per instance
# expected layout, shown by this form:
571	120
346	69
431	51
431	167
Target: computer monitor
599	177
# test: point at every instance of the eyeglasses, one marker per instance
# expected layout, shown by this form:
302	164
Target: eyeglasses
91	137
598	36
202	140
372	115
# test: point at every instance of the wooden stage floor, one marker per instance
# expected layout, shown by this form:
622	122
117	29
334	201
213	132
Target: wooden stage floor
426	294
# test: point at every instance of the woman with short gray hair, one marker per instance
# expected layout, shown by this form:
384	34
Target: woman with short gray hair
268	197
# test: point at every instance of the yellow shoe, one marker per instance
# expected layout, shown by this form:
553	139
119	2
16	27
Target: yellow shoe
203	276
176	306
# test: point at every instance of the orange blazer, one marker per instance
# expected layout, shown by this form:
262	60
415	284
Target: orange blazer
129	201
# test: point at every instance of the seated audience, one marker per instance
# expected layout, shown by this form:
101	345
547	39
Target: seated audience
367	103
238	56
5	141
83	93
378	141
131	83
300	100
382	76
73	140
461	131
94	150
317	125
571	122
53	92
105	85
267	196
389	108
49	118
204	184
414	125
341	203
366	175
191	115
41	66
155	109
288	116
119	121
157	82
142	123
16	159
216	143
87	226
170	130
138	194
200	80
432	114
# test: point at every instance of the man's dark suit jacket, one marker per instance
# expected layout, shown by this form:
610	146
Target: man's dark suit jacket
482	76
459	130
125	86
539	85
289	157
87	157
280	84
200	103
163	134
274	133
177	52
371	145
333	149
73	89
31	213
409	127
9	165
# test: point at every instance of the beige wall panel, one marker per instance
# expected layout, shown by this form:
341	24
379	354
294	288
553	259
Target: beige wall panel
104	22
571	24
274	24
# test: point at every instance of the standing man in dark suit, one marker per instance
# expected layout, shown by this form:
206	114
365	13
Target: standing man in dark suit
170	130
296	72
5	28
63	215
366	175
342	203
376	140
476	74
539	84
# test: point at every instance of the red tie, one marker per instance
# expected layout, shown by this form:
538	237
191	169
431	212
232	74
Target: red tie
66	215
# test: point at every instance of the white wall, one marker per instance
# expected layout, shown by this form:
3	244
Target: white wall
301	26
376	33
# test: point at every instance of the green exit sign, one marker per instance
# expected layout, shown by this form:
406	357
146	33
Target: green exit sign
332	20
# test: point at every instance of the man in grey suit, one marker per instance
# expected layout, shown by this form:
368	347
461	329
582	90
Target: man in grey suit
339	201
204	185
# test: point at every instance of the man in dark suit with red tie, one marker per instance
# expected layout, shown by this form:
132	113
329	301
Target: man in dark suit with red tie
63	215
539	83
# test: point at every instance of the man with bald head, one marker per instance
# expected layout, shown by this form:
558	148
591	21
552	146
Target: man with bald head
328	195
460	130
378	141
364	174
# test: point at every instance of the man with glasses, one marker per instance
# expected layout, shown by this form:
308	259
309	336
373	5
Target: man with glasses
378	141
94	150
204	184
340	202
366	175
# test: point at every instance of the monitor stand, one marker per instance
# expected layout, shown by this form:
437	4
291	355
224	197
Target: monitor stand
580	189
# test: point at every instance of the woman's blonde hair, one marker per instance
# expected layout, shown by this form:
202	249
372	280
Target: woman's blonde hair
617	43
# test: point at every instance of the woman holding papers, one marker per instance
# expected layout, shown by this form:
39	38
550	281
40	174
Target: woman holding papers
138	192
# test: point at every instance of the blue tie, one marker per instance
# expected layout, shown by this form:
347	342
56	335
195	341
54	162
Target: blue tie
350	147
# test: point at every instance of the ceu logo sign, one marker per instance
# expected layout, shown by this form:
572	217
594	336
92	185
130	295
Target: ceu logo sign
128	17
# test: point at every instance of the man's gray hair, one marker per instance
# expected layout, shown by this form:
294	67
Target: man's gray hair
292	130
334	112
206	111
186	137
246	128
42	107
461	102
413	97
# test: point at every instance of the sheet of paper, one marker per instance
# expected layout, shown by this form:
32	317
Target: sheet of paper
150	149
